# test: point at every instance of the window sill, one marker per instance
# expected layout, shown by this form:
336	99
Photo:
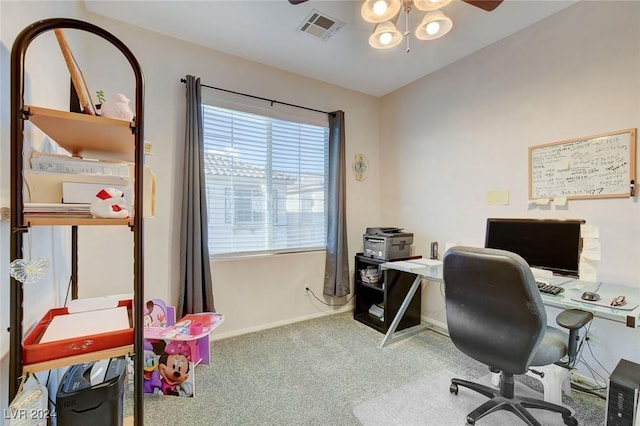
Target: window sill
252	255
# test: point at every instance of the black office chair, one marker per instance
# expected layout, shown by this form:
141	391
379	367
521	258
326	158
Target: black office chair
495	315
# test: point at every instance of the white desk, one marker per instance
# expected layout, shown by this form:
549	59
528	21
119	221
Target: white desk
573	290
422	271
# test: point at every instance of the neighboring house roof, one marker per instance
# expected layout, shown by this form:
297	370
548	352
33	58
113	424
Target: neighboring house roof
226	165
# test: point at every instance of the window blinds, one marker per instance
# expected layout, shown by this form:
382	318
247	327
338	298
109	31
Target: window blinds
266	182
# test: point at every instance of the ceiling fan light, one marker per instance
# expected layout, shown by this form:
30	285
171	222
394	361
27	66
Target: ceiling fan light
434	25
380	7
385	36
377	11
429	5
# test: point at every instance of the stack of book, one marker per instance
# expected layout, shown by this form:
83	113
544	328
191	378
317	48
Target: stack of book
74	210
377	310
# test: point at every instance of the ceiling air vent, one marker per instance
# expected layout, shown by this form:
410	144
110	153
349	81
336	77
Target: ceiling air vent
320	25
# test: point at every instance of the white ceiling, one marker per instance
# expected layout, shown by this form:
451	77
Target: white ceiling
265	31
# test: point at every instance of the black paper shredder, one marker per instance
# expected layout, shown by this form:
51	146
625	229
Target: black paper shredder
92	394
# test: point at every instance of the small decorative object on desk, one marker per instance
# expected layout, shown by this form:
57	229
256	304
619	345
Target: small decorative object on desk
619	301
117	107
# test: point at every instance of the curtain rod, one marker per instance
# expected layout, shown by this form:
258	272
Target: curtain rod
272	101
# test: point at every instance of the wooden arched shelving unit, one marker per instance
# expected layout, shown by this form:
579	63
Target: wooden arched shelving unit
111	139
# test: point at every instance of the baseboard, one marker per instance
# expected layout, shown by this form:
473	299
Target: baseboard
435	325
585	381
275	324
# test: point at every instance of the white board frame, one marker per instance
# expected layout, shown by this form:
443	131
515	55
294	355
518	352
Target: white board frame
599	166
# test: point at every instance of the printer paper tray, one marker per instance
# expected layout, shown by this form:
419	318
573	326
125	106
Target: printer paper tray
35	352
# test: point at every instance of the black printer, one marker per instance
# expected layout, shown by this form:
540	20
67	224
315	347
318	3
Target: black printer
386	243
92	394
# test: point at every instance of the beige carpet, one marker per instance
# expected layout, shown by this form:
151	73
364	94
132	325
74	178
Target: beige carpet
315	372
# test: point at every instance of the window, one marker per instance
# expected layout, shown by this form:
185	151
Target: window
244	205
266	182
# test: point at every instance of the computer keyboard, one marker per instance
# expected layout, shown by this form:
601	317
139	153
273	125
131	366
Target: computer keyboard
545	287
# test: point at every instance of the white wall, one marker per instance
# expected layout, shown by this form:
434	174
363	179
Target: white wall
252	293
465	129
47	84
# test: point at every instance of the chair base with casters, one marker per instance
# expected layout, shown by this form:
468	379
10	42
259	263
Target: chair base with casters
504	399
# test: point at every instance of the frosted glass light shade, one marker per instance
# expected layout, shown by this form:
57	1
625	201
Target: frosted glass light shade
429	5
385	36
374	11
431	21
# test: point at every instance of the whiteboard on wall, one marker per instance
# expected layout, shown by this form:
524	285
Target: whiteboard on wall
600	166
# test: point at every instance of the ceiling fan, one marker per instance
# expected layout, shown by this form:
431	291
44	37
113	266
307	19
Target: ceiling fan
385	13
487	5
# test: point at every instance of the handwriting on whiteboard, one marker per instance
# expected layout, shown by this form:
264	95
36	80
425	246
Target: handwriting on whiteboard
584	168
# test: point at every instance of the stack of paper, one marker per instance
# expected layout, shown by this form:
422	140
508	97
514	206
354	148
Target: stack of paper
377	310
86	323
81	210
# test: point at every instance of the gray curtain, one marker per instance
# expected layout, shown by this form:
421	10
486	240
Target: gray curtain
196	288
336	275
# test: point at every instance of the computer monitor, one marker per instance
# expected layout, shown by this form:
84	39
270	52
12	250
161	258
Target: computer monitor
551	244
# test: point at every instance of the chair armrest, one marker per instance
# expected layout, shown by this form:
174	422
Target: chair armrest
573	319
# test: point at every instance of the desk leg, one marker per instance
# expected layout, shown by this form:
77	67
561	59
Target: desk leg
403	308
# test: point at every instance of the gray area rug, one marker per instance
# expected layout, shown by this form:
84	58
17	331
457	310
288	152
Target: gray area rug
428	402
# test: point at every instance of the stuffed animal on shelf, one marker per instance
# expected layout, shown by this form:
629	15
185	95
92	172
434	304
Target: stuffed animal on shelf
109	204
117	107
